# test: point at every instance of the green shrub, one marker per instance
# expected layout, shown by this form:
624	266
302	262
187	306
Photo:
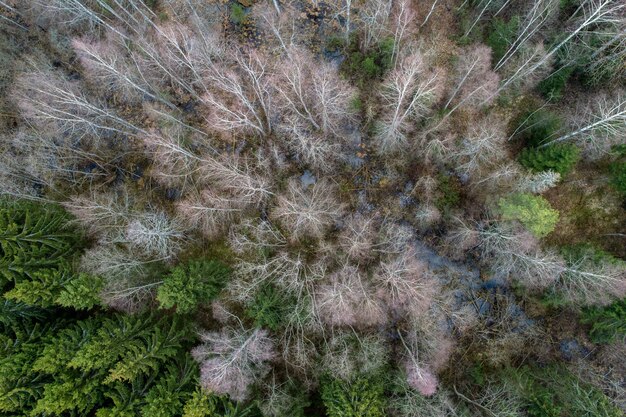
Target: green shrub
269	308
553	391
237	13
590	253
608	324
501	35
618	176
560	158
373	64
535	127
553	86
335	43
541	404
449	192
534	212
195	282
362	397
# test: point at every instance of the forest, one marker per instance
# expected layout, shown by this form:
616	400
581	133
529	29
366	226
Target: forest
306	208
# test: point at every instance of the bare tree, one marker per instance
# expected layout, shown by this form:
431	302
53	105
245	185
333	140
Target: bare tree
484	6
239	99
238	178
393	238
514	252
310	147
129	281
347	354
58	105
406	95
591	13
373	18
430	12
403	19
102	215
348	300
405	283
539	13
233	359
104	62
314	93
588	281
474	80
358	237
252	237
419	377
155	234
539	182
482	147
33	159
172	164
307	212
602	124
282	25
510	251
289	271
207	212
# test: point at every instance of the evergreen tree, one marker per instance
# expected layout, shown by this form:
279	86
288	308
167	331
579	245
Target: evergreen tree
558	158
269	308
362	397
607	323
195	282
532	211
36	252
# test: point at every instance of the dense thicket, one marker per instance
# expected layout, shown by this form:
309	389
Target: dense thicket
280	208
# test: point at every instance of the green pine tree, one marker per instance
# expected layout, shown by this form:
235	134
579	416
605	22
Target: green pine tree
192	283
362	397
557	158
534	212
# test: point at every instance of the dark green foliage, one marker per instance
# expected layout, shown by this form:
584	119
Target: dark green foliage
335	43
108	365
553	86
560	158
553	391
608	324
33	237
192	283
373	64
501	35
588	253
362	397
37	249
617	170
535	127
618	176
12	313
541	404
269	308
